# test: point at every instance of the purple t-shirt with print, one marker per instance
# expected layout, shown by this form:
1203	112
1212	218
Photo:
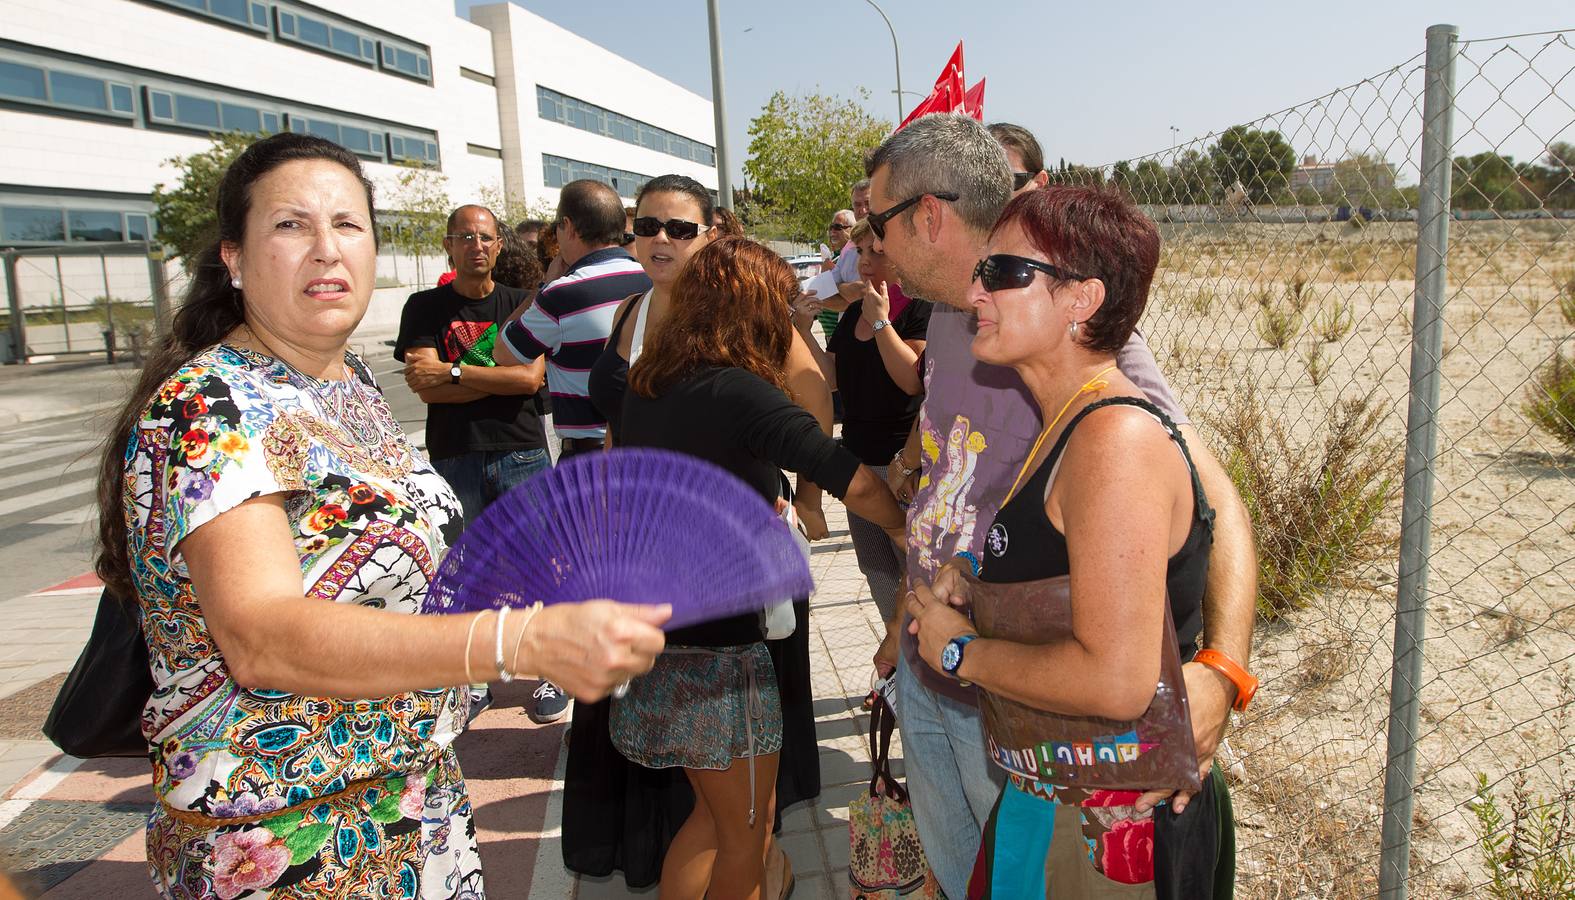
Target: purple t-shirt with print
977	425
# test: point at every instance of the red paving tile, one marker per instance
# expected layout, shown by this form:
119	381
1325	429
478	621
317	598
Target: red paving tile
81	582
508	763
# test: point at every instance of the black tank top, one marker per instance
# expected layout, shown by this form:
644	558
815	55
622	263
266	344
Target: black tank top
1022	544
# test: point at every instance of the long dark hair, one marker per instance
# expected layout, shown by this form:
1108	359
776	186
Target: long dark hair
211	309
730	307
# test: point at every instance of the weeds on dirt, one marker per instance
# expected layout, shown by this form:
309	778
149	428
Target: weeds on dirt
1317	368
1550	400
1334	322
1566	285
1297	293
1278	324
1316	510
1201	301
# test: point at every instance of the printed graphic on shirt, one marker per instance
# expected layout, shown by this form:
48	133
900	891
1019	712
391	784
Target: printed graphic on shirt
996	540
470	343
946	510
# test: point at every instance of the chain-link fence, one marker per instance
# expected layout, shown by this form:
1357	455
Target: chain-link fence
1293	318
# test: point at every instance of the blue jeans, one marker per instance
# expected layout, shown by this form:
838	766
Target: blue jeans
482	476
951	782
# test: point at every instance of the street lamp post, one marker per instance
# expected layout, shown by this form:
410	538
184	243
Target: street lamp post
895	55
724	184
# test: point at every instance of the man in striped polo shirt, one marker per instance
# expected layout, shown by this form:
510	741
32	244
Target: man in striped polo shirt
573	314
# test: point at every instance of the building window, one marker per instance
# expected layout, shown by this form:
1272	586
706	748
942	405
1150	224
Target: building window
95	225
32	224
69	90
239	12
138	227
402	148
558	171
22	82
322	35
207	114
405	61
575	113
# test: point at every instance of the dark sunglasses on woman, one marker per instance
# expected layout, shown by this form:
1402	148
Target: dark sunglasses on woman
1021	179
677	229
1005	272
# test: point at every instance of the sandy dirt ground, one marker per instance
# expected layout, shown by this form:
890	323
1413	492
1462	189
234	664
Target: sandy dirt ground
1306	763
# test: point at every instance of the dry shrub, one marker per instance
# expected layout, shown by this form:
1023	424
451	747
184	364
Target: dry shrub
1297	292
1566	286
1278	324
1201	301
1316	506
1334	322
1312	359
1550	400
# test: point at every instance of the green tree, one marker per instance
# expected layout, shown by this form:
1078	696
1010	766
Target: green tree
1192	179
418	211
804	154
1260	160
1150	183
1363	179
184	211
1487	181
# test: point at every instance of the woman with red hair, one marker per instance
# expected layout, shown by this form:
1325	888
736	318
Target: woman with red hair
1088	594
709	383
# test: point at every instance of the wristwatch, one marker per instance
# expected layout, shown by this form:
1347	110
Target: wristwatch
878	324
952	654
453	374
1246	685
903	467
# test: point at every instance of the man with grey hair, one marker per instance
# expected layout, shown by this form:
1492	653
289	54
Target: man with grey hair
938	187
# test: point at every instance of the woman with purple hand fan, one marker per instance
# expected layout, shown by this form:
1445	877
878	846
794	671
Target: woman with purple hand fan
710	384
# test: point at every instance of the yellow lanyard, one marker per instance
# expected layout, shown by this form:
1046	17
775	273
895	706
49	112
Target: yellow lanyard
1093	384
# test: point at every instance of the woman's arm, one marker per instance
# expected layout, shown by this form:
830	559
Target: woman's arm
247	578
809	389
1119	540
900	357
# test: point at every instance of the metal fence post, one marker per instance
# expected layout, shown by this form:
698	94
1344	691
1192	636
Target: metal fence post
13	295
1432	251
159	290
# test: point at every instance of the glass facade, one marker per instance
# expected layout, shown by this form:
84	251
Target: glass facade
65	89
575	113
558	171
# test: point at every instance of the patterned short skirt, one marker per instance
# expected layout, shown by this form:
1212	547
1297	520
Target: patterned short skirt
700	708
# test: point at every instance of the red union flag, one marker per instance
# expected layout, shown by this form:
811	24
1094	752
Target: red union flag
949	94
973	101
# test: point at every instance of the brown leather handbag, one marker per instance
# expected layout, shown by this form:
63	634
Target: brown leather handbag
1152	752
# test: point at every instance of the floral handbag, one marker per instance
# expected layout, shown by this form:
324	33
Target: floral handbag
885	859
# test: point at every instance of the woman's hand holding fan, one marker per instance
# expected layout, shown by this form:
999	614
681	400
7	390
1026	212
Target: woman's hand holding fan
590	648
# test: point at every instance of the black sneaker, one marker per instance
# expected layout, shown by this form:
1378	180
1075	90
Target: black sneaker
552	703
480	699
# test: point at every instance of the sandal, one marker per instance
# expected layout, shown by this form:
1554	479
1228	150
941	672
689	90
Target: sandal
779	875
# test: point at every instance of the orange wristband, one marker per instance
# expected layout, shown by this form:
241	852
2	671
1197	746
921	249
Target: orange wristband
1246	684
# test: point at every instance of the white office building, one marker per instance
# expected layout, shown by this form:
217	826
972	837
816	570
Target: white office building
97	95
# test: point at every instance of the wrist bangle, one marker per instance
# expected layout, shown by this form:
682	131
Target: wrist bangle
973	561
1246	685
530	613
504	674
470	637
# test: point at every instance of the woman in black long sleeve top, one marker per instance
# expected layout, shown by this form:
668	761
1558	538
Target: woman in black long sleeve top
709	384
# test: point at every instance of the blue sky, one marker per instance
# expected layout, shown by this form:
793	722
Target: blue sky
1096	82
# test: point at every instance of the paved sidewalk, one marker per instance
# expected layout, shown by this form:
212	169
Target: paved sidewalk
73	829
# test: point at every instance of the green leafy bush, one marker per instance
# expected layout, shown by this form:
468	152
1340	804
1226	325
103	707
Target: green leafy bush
1317	506
1550	401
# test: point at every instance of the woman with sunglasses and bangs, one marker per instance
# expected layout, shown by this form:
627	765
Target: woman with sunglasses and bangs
618	814
872	360
1102	548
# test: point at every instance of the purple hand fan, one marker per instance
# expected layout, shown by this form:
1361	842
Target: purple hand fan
634	525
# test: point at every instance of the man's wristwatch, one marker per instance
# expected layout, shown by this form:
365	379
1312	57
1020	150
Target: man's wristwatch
453	374
952	654
1246	685
878	324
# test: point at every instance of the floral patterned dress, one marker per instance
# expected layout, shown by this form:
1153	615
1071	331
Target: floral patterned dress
265	793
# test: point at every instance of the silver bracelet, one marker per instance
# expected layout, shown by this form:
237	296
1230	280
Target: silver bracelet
504	675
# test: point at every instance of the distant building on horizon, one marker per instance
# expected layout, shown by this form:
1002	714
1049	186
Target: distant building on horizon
97	95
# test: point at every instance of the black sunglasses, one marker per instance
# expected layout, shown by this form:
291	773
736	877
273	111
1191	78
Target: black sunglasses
677	229
838	226
1021	179
1004	272
878	220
